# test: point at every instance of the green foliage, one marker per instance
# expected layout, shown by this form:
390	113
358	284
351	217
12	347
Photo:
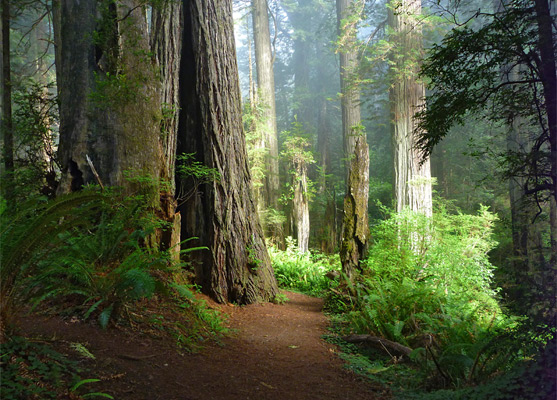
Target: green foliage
106	266
34	122
30	237
295	144
203	322
253	119
488	71
303	272
427	285
192	173
34	371
280	298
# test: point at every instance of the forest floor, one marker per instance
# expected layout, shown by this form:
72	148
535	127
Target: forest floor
272	352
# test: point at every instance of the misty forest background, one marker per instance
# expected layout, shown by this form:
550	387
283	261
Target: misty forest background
398	158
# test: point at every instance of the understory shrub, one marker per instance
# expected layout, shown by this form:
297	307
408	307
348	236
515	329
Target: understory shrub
427	285
304	272
100	269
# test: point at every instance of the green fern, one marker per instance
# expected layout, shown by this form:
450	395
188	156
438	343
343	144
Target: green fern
29	236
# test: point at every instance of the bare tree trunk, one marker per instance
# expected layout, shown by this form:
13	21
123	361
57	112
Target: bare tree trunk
328	231
300	206
412	186
236	268
266	90
548	73
7	126
355	224
355	220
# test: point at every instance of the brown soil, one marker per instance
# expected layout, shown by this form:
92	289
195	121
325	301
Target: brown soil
274	352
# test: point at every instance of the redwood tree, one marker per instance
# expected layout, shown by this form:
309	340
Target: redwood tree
111	98
355	232
236	267
412	176
266	100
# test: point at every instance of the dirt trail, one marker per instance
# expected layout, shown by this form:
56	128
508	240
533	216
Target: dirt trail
274	353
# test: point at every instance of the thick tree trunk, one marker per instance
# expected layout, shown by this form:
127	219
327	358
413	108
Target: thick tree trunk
355	231
266	99
236	268
351	119
548	73
6	122
412	185
109	108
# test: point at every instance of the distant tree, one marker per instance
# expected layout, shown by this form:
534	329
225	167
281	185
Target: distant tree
355	231
236	268
412	176
6	117
474	73
266	100
297	155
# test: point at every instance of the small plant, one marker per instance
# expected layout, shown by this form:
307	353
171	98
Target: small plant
280	298
303	272
36	371
193	174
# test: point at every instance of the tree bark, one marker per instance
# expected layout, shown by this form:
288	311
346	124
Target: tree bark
7	126
355	220
300	205
166	44
548	74
380	343
109	108
266	99
355	234
236	268
412	176
328	228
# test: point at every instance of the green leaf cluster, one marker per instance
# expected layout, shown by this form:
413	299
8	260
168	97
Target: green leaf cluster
303	272
427	284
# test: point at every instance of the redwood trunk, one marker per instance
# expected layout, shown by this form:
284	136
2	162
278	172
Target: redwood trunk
355	231
266	99
412	176
236	268
7	126
109	109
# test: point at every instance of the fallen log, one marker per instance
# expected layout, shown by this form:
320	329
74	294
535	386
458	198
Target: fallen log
381	343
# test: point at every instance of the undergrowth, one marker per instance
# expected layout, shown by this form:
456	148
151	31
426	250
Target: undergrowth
427	286
90	255
36	371
303	272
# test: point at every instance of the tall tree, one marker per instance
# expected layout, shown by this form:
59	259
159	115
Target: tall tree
466	82
110	101
412	176
6	122
107	90
355	220
266	100
236	268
